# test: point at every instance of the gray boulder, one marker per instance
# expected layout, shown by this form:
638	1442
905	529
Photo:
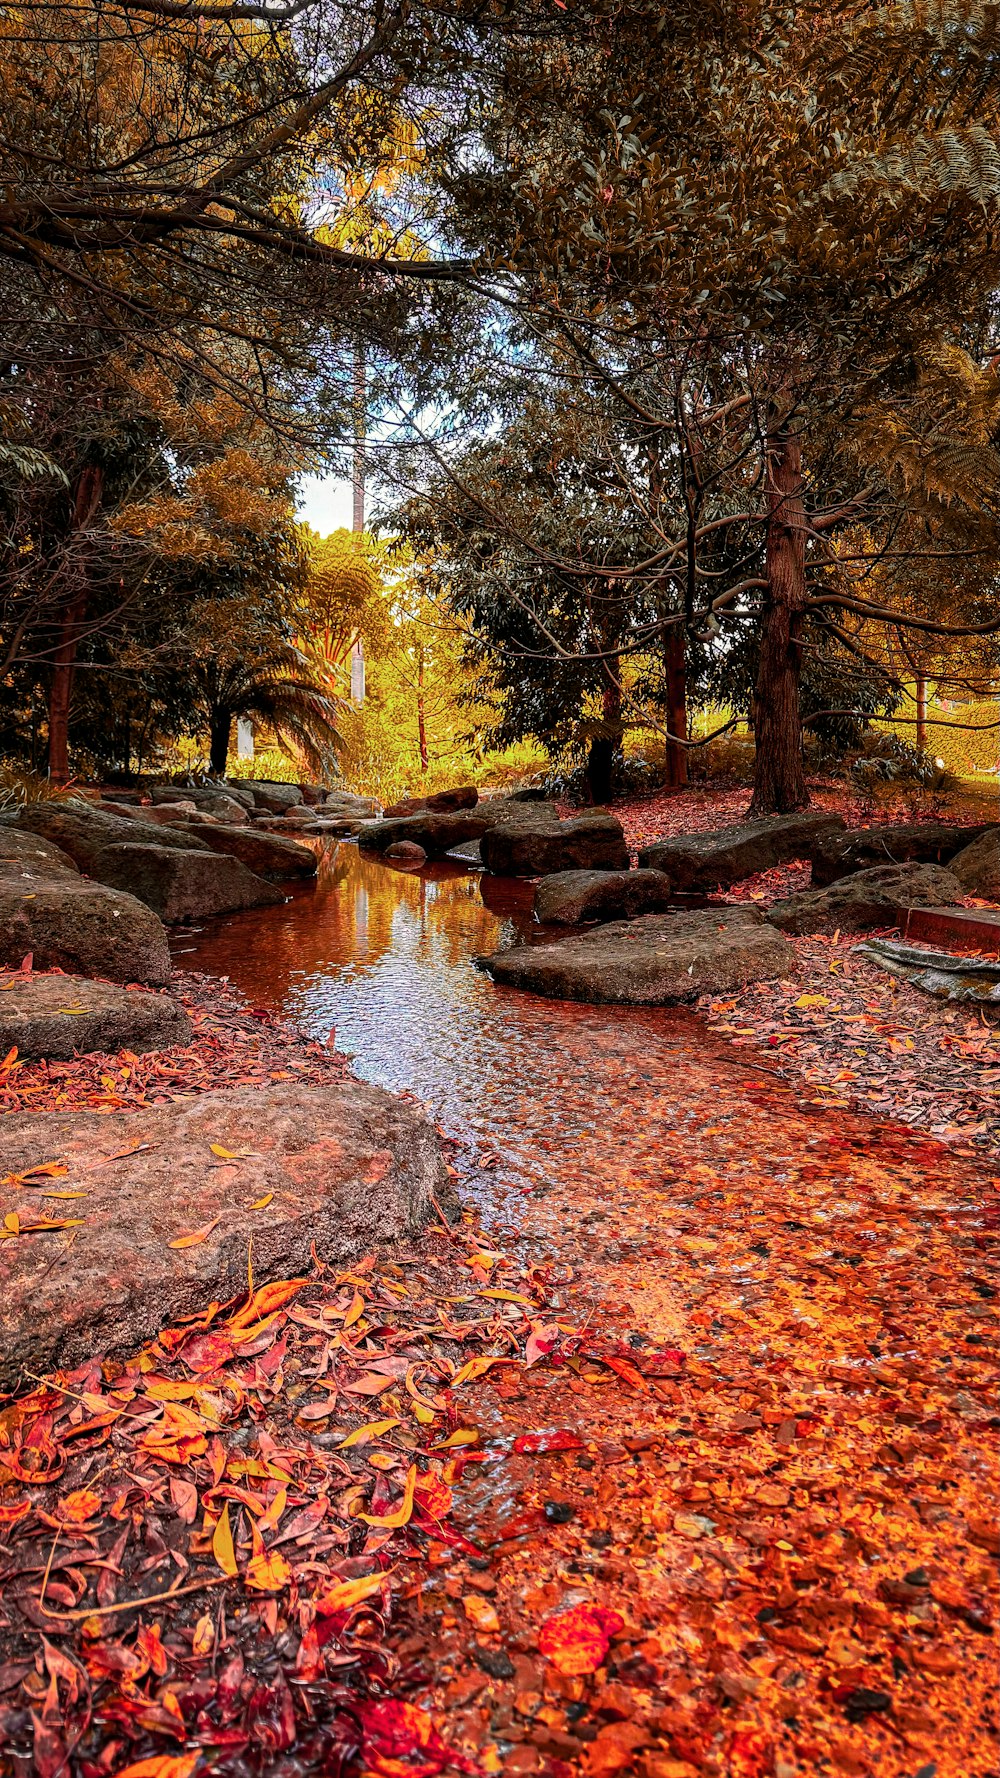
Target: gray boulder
182	885
274	858
838	855
436	834
707	861
868	898
25	855
441	802
58	1016
570	897
653	961
977	867
274	798
344	1167
535	845
220	803
84	832
81	927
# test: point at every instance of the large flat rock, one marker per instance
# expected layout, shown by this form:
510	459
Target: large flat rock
838	855
570	897
348	1165
58	1016
653	961
436	833
532	843
67	923
441	802
26	855
866	899
707	861
83	832
183	885
274	858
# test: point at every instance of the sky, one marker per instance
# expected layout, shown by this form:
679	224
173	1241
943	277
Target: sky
325	503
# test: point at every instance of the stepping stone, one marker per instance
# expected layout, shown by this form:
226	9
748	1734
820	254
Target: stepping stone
533	844
57	1016
183	885
81	927
707	861
569	897
653	961
340	1166
275	859
868	898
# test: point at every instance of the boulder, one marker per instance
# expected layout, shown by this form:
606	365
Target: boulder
209	801
653	961
57	1016
442	802
837	855
436	834
344	1166
533	845
406	852
467	852
84	832
342	802
25	854
571	896
977	867
276	859
273	797
183	885
707	861
868	898
84	928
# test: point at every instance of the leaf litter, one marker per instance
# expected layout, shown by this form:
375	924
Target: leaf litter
704	1485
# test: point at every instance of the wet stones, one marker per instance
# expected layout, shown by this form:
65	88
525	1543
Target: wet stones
268	855
534	843
64	922
58	1016
708	861
183	885
569	898
655	960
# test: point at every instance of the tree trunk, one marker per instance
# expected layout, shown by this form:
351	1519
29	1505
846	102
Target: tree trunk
601	754
360	429
921	713
220	727
88	498
675	764
421	715
779	776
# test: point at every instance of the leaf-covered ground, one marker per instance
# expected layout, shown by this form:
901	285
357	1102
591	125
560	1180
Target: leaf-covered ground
681	1466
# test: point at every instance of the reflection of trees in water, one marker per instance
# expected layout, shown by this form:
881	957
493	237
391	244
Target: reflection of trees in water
356	911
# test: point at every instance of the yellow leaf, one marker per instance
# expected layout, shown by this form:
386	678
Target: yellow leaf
362	1434
267	1570
811	1000
226	1154
508	1296
197	1236
402	1513
356	1310
474	1369
204	1636
262	1203
222	1544
345	1593
426	1416
462	1435
64	1194
270	1519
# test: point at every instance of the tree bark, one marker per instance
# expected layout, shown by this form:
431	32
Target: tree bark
358	471
89	488
601	754
220	728
421	714
779	774
675	774
921	713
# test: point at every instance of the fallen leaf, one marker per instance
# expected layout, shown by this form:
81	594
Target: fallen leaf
197	1236
577	1641
222	1544
402	1513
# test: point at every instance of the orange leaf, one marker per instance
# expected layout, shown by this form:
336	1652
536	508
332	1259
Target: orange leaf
474	1369
577	1641
197	1236
401	1514
162	1765
265	1301
343	1594
222	1543
267	1570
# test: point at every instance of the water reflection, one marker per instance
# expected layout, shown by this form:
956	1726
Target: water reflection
384	957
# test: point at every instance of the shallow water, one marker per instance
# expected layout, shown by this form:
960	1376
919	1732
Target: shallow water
383	958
